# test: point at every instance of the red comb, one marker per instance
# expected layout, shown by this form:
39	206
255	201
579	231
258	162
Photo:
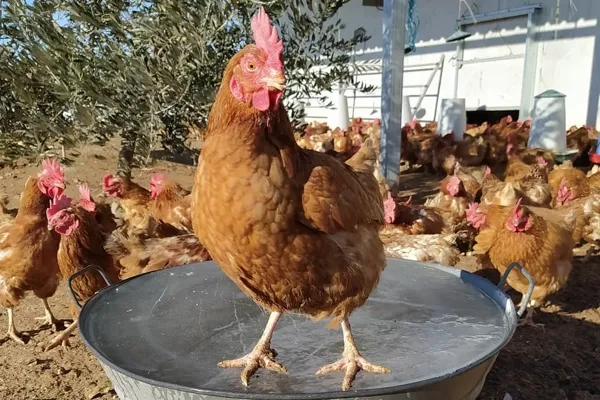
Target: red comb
518	203
541	161
57	204
84	192
107	180
156	177
53	167
267	38
389	206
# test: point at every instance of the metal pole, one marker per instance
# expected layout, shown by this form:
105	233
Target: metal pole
437	67
394	33
460	46
529	69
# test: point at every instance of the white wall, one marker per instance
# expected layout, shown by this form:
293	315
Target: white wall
568	57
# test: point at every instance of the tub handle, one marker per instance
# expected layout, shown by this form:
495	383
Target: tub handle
527	296
83	271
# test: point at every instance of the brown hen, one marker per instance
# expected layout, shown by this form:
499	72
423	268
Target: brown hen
542	245
170	202
296	230
28	249
81	244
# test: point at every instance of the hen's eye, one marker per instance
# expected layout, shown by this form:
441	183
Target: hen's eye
250	66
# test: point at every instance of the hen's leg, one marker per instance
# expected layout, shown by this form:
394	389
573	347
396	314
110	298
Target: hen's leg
527	320
351	360
62	338
262	356
12	331
48	317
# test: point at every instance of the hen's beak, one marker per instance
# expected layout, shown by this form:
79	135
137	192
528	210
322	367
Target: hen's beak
276	82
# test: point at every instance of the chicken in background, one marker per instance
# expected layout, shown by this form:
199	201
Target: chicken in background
477	130
102	212
443	156
81	244
170	202
436	248
471	151
543	246
582	139
412	219
567	184
498	128
534	187
451	202
520	162
517	132
284	223
575	194
28	249
590	231
137	255
472	178
593	178
496	192
131	198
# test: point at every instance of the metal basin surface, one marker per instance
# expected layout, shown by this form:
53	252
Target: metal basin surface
161	335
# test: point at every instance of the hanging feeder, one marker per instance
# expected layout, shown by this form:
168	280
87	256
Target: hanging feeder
459	34
452	118
548	128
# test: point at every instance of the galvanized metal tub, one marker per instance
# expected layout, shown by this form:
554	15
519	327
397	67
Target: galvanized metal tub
160	335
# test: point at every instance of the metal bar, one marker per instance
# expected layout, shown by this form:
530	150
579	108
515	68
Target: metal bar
426	65
394	32
460	50
426	87
406	69
529	69
501	14
490	59
439	89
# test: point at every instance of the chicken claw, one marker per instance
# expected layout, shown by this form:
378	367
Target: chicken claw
48	318
351	361
12	331
528	320
262	356
62	338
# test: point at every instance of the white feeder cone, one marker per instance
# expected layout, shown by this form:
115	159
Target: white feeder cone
342	111
549	128
406	110
452	118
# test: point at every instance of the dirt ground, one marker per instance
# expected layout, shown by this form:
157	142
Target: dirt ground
560	362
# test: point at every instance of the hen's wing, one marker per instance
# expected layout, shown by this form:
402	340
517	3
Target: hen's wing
338	197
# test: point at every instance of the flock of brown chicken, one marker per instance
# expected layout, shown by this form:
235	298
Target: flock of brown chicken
50	237
535	215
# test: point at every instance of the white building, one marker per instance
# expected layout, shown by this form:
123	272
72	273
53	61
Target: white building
561	52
